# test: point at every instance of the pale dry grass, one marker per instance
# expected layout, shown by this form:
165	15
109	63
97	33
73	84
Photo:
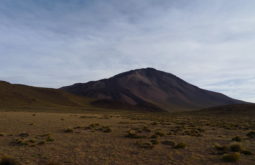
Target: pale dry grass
101	138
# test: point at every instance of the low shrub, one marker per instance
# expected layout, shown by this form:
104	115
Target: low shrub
154	141
93	125
53	163
237	139
145	145
68	130
105	129
20	142
50	139
41	143
169	143
24	134
146	129
6	160
251	134
221	148
231	157
133	134
31	140
180	146
246	152
159	133
235	147
154	136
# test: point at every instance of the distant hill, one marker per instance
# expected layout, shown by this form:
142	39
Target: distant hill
13	95
236	109
150	89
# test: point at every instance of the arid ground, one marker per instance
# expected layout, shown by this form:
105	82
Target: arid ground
127	138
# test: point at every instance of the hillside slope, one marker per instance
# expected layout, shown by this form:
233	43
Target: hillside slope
13	95
150	88
228	110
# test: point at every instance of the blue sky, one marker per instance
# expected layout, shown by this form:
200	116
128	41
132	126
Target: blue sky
53	43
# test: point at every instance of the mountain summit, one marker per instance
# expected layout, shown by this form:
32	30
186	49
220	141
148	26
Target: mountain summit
150	88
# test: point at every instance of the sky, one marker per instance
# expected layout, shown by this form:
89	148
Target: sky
54	43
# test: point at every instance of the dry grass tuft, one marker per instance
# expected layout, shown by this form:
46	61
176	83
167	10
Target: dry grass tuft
134	134
236	147
2	134
169	143
251	134
53	163
68	130
221	148
237	139
159	133
154	141
105	129
144	145
246	152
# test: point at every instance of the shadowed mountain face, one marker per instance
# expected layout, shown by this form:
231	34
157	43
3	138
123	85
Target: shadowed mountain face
152	89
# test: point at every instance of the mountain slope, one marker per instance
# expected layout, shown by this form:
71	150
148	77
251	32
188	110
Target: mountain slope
150	88
13	95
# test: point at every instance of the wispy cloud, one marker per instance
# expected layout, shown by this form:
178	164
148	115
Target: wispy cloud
60	42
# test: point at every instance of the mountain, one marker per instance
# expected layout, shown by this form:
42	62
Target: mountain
18	96
150	89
